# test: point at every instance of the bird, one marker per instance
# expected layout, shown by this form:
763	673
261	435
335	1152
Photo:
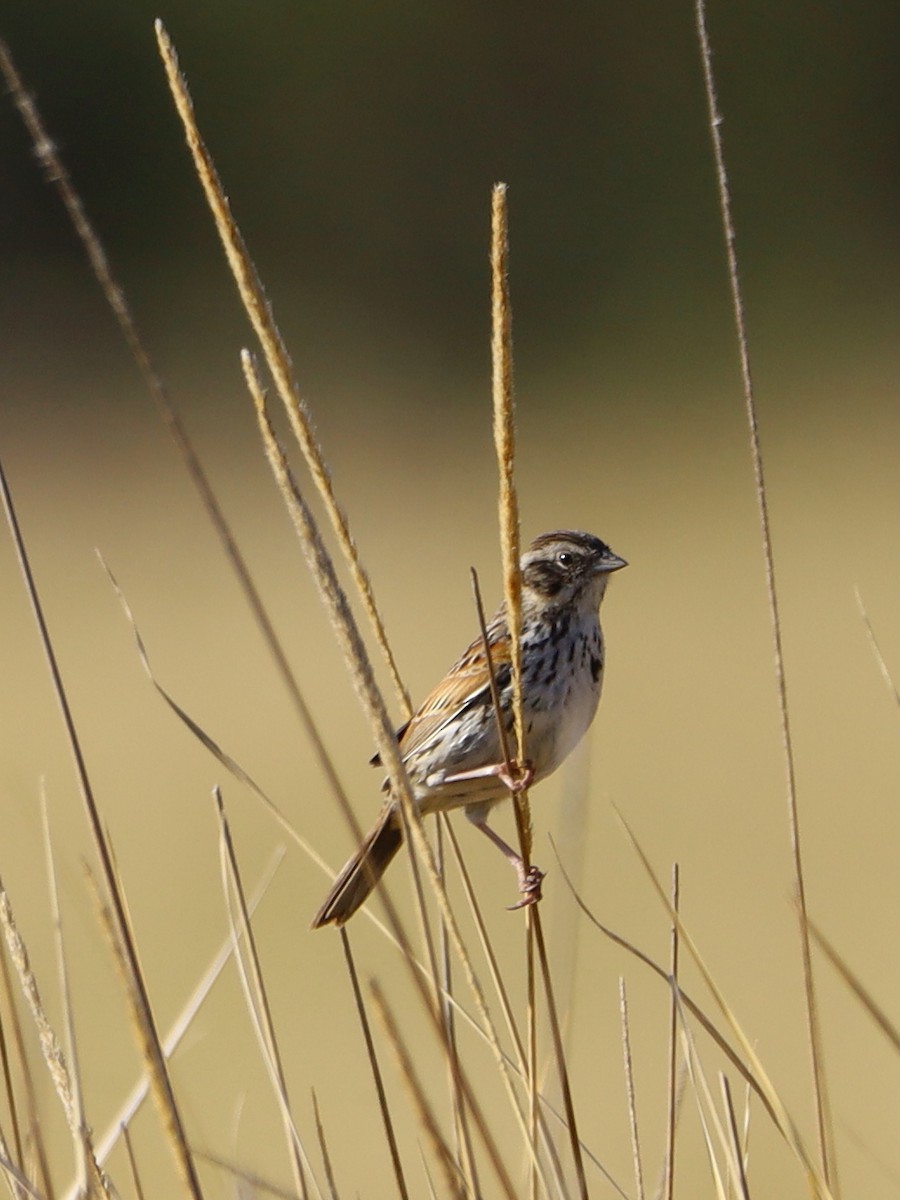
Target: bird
451	747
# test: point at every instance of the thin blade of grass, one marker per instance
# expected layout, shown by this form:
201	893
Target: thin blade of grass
253	1181
91	1177
876	650
824	1132
20	1187
464	1150
17	1151
559	1053
323	1146
383	1105
737	1151
701	1092
112	911
34	1133
132	1163
671	1110
429	1181
629	1090
279	364
256	993
51	1049
853	982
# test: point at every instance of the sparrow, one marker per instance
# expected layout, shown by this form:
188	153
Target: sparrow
451	747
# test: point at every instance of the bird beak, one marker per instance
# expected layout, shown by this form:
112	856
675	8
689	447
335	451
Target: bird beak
613	563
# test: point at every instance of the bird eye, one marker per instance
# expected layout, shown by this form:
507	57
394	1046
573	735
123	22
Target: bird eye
564	558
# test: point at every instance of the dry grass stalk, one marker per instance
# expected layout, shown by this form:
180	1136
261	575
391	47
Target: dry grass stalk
117	926
256	995
629	1089
505	446
709	1120
738	1156
91	1178
559	1054
504	443
820	1094
887	1026
671	1106
247	1183
504	439
383	1106
876	650
20	1187
464	1152
54	1057
259	313
323	1146
18	1149
31	1148
397	936
132	1163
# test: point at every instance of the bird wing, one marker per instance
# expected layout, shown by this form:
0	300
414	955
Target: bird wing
466	683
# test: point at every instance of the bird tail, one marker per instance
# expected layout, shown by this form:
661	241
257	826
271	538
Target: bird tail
359	876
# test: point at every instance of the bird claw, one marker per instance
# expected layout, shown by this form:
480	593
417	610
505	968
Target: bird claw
530	880
519	778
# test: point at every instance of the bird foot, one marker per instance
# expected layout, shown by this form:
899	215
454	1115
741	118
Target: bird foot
518	778
530	880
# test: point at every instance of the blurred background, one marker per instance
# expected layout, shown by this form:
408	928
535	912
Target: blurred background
358	144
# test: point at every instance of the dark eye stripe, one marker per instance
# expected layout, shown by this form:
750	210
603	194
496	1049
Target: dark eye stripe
545	576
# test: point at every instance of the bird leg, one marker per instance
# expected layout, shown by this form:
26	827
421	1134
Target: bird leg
530	877
511	775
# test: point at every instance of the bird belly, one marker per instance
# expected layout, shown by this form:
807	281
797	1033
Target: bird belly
554	731
561	692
